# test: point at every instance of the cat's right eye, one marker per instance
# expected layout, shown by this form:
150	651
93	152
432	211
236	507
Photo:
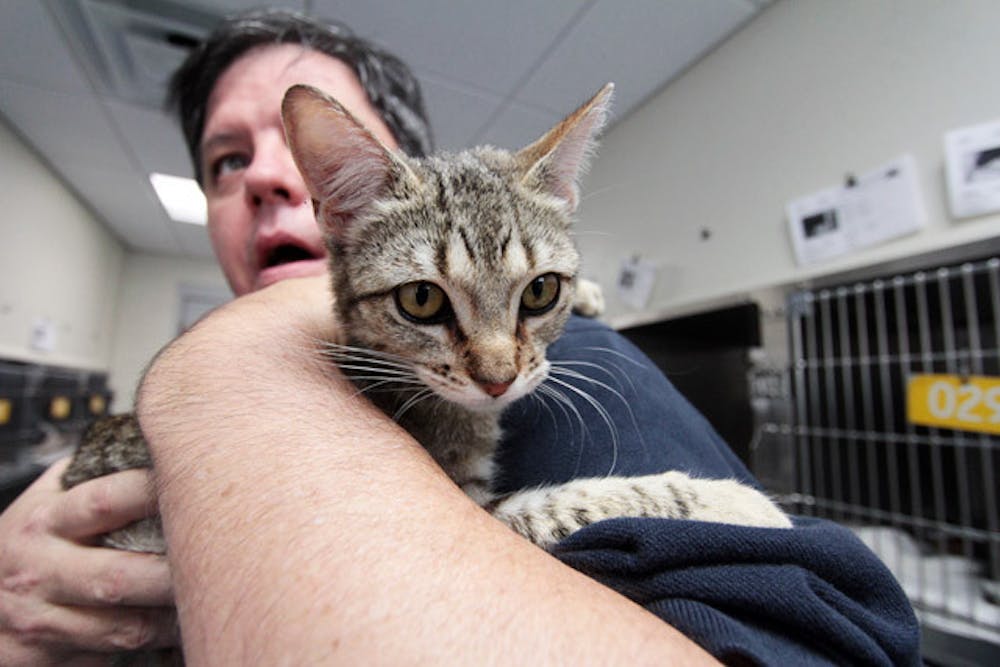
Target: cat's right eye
423	302
540	295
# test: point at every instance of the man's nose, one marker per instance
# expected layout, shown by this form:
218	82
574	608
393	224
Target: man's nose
272	177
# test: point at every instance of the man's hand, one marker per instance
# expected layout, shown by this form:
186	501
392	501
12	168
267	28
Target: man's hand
64	600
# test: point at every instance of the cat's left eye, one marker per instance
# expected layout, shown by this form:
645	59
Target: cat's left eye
423	302
540	295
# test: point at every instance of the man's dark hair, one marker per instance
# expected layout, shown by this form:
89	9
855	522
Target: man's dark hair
388	82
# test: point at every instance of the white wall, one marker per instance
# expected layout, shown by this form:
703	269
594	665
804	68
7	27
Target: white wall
807	92
148	310
112	309
56	261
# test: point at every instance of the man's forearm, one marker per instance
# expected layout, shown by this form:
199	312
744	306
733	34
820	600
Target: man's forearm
304	527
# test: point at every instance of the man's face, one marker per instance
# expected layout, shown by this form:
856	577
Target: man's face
260	216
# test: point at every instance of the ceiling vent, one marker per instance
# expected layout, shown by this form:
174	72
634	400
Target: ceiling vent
130	48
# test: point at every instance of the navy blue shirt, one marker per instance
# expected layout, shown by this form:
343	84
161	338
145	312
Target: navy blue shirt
810	595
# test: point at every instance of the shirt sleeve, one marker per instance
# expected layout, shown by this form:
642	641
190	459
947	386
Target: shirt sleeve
813	594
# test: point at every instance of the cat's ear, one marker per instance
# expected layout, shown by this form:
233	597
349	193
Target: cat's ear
554	163
345	167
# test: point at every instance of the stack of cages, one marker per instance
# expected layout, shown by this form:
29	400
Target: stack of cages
19	425
57	399
43	412
67	400
886	418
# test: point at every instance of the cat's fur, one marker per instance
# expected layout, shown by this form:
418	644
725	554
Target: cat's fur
485	232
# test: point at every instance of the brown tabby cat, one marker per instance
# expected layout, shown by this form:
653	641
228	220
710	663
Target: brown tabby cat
452	274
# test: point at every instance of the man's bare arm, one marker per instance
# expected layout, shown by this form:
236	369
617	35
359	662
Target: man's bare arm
306	528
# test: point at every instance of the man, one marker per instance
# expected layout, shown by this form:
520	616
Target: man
306	527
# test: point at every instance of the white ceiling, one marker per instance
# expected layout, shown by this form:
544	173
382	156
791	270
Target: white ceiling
493	71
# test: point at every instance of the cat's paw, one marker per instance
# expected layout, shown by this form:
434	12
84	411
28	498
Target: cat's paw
729	501
589	298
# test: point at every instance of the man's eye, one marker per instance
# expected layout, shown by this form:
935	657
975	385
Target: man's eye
229	163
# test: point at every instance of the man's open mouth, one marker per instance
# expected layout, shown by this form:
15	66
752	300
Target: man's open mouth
287	253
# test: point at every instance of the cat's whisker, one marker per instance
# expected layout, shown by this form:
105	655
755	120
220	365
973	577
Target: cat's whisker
418	397
337	348
601	410
337	355
628	407
363	350
603	367
537	396
642	365
381	380
546	391
372	363
369	388
568	372
616	353
385	372
599	367
562	400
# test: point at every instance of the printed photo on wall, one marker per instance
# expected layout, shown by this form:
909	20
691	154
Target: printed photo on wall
973	155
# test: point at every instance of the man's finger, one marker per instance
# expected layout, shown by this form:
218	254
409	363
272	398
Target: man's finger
109	577
104	504
102	629
123	628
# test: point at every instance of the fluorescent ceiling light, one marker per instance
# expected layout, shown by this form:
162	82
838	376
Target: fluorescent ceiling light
181	198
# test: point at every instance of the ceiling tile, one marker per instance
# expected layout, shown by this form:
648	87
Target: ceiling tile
32	49
456	111
63	127
485	43
640	49
126	202
153	136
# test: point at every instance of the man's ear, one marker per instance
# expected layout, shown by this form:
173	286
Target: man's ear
345	167
553	164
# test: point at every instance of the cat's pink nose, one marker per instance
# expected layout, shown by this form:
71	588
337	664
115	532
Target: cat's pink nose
495	389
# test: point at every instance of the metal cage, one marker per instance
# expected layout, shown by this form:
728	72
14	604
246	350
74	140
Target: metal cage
842	446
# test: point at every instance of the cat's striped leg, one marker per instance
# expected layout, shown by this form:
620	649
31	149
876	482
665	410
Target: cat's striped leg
548	514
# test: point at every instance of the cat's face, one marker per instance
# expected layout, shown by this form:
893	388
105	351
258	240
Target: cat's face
460	269
467	274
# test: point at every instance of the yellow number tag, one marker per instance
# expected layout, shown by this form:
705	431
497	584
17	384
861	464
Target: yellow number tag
60	408
948	401
5	410
97	405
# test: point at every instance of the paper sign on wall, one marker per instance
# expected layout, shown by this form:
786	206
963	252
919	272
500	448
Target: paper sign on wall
635	281
43	335
878	206
973	169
